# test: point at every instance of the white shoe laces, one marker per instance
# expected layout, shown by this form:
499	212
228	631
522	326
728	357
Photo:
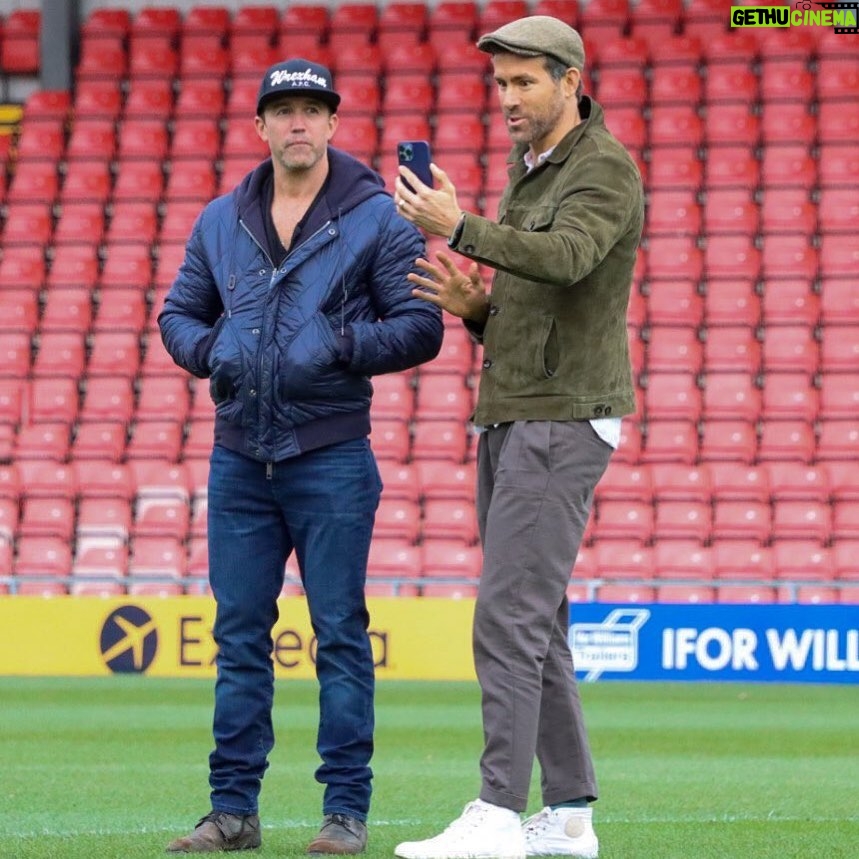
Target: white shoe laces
538	823
473	815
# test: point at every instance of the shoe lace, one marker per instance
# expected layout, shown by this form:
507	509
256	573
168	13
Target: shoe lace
538	823
338	819
473	815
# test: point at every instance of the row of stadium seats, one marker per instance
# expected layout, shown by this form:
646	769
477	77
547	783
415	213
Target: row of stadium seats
735	480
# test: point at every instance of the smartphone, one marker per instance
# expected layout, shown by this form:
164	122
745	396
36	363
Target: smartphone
415	154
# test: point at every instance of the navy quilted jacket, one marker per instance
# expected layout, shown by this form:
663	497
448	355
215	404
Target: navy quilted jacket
289	351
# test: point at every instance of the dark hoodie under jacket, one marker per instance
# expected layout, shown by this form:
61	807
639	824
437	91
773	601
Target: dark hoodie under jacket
289	350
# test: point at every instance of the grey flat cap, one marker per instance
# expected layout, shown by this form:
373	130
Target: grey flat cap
536	36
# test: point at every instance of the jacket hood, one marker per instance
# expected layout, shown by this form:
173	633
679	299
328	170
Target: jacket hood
349	183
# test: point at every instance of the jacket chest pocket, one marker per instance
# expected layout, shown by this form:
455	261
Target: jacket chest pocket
540	219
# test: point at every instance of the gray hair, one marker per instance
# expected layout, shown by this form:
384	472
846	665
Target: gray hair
557	72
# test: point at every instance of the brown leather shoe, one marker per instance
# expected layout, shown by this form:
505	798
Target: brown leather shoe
341	834
218	832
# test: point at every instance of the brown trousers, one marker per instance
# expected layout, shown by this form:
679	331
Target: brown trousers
535	486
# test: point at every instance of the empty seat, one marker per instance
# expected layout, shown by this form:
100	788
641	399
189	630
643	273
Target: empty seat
60	353
738	520
786	440
787	165
731	396
751	594
681	520
742	559
157	557
624	480
626	520
791	302
731	349
440	439
42	556
620	559
804	519
728	440
156	440
802	560
672	396
670	441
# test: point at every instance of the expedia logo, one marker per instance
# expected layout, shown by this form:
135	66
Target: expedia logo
129	640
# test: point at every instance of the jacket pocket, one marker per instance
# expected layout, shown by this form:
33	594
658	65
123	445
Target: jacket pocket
549	354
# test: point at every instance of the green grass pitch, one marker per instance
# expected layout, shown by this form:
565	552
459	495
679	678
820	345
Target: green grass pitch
115	767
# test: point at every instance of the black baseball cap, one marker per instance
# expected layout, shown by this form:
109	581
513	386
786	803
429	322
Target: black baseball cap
298	77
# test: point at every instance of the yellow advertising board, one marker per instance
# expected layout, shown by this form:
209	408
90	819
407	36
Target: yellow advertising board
413	639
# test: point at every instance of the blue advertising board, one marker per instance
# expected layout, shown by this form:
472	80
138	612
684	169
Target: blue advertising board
759	643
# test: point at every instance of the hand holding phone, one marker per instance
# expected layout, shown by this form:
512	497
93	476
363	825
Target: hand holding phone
415	154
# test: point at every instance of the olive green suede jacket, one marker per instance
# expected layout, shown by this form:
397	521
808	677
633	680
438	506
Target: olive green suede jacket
555	343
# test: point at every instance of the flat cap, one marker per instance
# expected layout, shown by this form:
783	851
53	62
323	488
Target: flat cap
535	36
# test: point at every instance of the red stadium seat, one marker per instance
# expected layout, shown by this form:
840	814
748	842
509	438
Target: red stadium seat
731	303
92	139
34	181
788	165
802	560
732	257
673	481
728	440
739	481
675	302
673	211
60	353
839	395
624	520
52	399
440	439
159	557
741	520
742	559
192	139
672	396
28	223
788	124
86	181
621	559
731	396
100	441
791	302
153	57
670	441
731	210
801	520
623	480
42	556
397	518
148	99
789	396
675	125
390	439
732	348
680	521
746	594
785	81
731	166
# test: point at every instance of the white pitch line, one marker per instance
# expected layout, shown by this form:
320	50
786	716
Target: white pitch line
304	824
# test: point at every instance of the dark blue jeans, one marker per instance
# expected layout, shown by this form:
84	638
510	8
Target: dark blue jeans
322	505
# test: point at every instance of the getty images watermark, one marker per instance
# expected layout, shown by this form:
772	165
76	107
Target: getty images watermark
842	17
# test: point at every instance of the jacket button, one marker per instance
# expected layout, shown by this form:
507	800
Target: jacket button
255	331
597	410
607	410
487	364
493	310
262	272
469	249
253	392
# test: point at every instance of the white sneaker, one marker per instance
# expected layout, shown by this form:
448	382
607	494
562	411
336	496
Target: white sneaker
562	832
482	831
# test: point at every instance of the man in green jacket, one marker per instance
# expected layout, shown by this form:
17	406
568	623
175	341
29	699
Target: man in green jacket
555	382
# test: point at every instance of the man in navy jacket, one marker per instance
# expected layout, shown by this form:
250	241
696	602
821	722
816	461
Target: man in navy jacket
293	292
